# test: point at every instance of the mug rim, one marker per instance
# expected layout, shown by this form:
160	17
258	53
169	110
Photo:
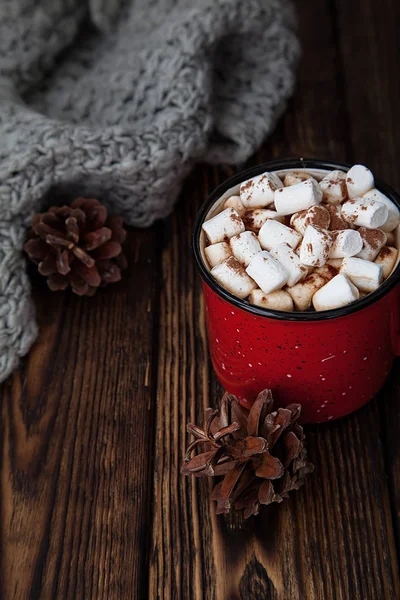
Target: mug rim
276	165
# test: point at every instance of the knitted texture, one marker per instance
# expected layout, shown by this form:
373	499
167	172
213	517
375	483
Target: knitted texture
116	99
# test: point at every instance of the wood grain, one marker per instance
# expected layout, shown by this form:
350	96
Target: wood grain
92	432
376	135
334	539
76	441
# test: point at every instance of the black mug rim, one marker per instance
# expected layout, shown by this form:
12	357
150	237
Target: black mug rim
276	165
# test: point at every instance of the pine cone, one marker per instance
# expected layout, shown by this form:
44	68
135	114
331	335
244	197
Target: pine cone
260	453
77	245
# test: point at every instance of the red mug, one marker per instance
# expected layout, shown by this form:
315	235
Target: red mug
332	362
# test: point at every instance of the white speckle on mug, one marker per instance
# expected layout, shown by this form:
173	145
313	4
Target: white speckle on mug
365	357
343	393
328	358
329	418
250	365
344	351
288	375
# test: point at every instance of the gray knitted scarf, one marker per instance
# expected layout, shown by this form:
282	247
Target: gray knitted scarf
117	99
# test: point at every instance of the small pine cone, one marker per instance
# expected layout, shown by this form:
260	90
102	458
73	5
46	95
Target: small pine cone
77	246
260	453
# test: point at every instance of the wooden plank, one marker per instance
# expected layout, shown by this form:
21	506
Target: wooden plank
370	48
334	538
76	440
373	60
183	375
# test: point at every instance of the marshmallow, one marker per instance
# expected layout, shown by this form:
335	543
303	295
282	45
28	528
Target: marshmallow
373	241
259	191
336	293
236	203
335	262
217	253
297	197
223	226
255	219
394	214
337	221
359	180
273	233
327	271
364	212
303	291
244	246
284	254
333	186
314	250
294	177
387	259
345	243
279	300
316	215
366	275
232	276
267	272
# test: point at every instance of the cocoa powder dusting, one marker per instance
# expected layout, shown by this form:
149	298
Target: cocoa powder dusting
248	219
336	220
235	218
234	264
247	186
333	271
372	237
318	216
386	251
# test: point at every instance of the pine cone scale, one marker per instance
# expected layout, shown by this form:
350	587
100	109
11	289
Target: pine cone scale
77	246
248	447
95	239
269	467
62	263
83	256
259	453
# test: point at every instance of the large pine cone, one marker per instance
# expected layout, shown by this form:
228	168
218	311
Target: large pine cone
260	453
77	245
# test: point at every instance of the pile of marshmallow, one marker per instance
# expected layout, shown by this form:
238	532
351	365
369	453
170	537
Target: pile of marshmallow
299	243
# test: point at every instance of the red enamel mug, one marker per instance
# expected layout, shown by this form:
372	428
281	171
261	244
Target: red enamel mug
332	362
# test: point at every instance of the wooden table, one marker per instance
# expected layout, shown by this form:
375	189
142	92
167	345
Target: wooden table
93	425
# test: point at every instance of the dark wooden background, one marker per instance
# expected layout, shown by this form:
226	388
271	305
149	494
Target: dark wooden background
93	425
